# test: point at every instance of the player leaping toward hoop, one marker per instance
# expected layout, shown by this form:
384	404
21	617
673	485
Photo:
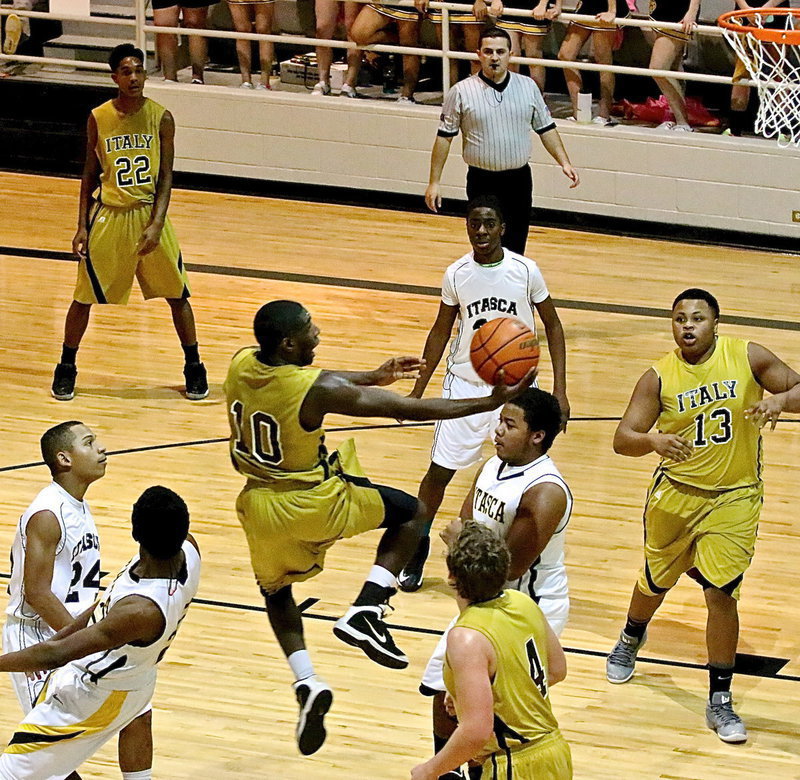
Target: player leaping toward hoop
300	499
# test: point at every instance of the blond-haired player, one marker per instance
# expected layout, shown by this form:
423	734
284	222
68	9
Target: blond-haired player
702	507
129	153
502	657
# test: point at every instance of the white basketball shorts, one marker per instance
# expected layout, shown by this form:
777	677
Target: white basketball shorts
457	443
18	635
68	725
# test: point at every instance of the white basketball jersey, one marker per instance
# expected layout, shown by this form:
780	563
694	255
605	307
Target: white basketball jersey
498	491
510	288
133	667
76	569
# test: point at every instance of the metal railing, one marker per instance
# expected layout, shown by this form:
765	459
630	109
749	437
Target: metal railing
141	29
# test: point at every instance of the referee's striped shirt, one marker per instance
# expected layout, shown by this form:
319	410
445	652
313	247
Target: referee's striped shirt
496	120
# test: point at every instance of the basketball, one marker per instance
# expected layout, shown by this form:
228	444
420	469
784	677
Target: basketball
504	343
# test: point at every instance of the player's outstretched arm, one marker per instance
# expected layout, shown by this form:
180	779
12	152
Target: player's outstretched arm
435	344
90	179
633	436
333	394
539	512
470	655
557	347
391	371
132	619
782	381
42	536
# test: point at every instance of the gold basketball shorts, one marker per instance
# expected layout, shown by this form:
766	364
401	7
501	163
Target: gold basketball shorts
706	532
547	759
106	274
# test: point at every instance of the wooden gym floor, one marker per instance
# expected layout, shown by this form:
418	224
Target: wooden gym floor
224	707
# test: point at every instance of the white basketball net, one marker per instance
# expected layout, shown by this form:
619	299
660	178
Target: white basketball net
776	68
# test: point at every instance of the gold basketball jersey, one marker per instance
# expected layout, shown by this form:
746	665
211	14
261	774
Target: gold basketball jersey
515	626
129	150
705	404
267	441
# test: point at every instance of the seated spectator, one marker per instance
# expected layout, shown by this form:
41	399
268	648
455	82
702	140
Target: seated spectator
379	23
192	14
327	13
668	48
603	33
528	34
253	16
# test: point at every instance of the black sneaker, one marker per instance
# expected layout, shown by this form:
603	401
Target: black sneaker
410	579
364	627
63	388
196	381
315	698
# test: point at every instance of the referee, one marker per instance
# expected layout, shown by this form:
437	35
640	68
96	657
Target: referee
496	109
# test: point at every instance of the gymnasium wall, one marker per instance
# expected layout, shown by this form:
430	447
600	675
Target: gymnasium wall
697	180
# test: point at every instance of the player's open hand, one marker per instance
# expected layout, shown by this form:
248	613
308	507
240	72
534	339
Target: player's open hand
80	242
671	446
768	410
397	368
689	22
540	10
479	11
150	238
503	392
607	17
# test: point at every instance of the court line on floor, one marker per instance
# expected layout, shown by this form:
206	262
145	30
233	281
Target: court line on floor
437	632
413	289
219	440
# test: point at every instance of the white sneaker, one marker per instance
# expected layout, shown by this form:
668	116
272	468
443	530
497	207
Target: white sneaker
720	717
321	88
348	91
406	100
246	85
264	87
682	129
666	126
13	34
315	698
603	121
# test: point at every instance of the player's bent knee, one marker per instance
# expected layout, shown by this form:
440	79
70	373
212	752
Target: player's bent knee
399	507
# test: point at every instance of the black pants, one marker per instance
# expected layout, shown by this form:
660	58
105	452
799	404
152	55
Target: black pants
514	190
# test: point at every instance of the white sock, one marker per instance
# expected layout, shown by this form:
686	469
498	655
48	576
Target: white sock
381	576
300	661
145	774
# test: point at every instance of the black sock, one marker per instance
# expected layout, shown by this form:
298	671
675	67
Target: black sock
68	354
635	628
373	594
737	122
719	679
191	352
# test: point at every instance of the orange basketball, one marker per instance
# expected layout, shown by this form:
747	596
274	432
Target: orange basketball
504	343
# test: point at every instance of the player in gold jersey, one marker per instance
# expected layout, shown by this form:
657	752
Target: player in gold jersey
129	155
702	508
502	657
300	499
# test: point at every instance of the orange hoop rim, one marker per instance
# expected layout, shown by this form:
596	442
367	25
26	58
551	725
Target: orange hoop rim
734	21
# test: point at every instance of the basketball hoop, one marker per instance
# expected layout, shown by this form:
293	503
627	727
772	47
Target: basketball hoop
767	41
